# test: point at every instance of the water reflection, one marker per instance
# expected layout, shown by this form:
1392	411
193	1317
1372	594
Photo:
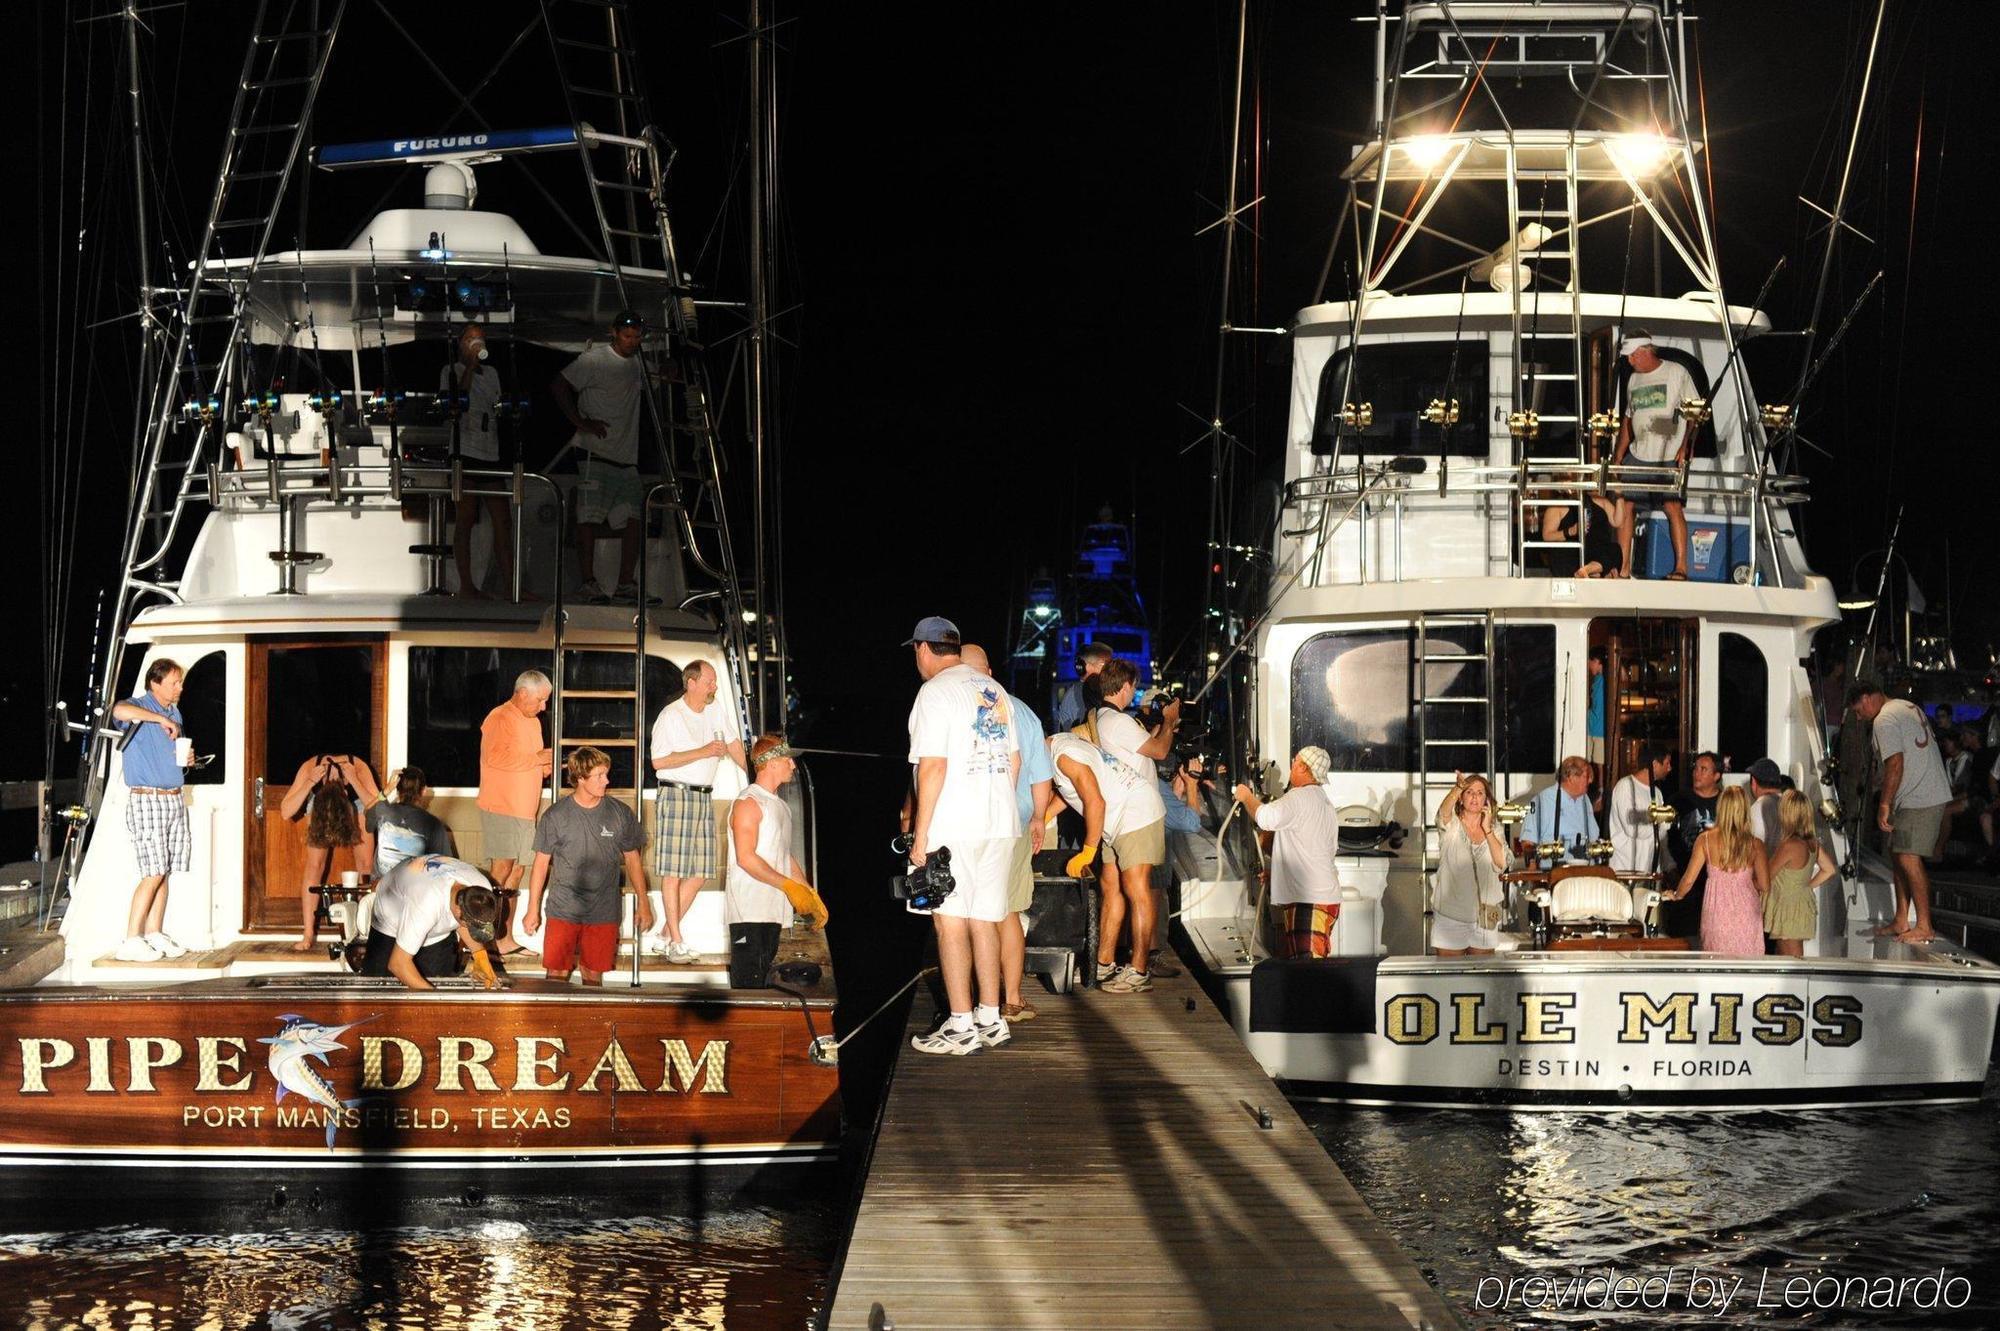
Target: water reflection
1484	1198
752	1267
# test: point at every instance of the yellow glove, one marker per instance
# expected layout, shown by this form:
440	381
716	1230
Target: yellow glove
1081	861
482	967
806	902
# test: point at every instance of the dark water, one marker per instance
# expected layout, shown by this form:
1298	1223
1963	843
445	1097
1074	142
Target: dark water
1482	1199
759	1266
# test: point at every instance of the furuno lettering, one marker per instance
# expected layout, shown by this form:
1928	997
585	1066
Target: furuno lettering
440	143
1678	1018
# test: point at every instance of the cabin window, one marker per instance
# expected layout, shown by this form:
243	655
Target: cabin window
205	717
1354	693
1742	701
451	691
1400	379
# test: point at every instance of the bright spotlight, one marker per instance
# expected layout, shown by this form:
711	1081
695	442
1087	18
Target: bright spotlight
1641	154
1427	150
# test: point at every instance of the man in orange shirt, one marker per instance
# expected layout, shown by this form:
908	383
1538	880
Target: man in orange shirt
513	764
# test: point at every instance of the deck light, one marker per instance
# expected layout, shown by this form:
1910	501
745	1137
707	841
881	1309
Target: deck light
1640	154
1426	150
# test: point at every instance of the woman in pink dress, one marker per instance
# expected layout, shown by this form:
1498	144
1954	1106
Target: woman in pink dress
1732	905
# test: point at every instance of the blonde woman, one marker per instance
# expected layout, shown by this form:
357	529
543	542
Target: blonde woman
1466	894
1732	906
1799	866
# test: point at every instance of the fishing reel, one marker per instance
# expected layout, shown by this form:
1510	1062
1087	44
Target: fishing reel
1775	415
1663	815
1524	424
1439	412
1603	424
1599	851
1694	410
1355	416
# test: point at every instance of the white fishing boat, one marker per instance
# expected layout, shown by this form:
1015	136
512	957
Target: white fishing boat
290	545
1422	613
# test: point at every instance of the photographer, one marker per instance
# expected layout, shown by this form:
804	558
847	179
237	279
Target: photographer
1125	743
966	752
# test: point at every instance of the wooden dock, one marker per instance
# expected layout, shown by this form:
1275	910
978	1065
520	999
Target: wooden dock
1107	1168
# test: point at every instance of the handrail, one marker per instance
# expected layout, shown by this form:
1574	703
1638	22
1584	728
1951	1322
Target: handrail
1544	479
1528	487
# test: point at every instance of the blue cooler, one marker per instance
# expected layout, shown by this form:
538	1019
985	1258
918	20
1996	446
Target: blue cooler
1716	546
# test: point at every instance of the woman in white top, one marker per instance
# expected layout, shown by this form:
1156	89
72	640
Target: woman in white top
758	895
1467	899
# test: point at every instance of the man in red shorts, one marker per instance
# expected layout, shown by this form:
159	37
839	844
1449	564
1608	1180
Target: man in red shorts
582	844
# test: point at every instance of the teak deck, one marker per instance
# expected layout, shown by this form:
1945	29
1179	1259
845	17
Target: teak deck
1106	1168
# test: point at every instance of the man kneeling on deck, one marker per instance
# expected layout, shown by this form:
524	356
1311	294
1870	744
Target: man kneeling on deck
759	897
1304	834
421	912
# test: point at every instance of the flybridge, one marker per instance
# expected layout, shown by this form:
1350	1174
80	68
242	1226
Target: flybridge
443	147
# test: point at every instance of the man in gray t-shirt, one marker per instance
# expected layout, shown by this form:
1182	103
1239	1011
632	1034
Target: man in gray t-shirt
583	845
1914	796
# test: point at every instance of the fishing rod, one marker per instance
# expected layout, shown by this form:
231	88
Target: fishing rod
1812	372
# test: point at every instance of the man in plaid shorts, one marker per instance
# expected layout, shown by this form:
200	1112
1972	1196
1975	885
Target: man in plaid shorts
154	814
690	739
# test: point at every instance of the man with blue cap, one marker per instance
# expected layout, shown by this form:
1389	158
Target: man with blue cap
965	746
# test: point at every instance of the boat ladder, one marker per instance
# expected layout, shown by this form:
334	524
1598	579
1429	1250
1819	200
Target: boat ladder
1452	697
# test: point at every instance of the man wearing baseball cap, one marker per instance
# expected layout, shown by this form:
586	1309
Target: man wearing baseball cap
421	912
1650	429
1767	783
601	392
1304	836
965	747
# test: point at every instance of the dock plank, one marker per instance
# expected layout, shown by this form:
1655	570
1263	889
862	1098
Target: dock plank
1107	1166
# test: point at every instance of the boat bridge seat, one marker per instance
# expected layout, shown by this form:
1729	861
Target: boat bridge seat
1589	896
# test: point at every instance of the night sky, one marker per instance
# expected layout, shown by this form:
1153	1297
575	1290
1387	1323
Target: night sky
1005	313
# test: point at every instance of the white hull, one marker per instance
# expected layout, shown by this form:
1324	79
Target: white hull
1629	1030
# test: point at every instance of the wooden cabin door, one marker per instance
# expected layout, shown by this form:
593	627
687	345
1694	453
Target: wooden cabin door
305	698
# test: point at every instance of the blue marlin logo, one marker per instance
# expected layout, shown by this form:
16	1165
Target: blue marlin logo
292	1049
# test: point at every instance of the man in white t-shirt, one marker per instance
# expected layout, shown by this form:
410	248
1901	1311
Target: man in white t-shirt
691	737
478	414
1628	812
1914	795
1120	734
1651	431
1305	836
419	915
601	392
1767	783
966	751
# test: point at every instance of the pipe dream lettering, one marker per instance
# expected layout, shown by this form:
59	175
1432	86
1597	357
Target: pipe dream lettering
223	1064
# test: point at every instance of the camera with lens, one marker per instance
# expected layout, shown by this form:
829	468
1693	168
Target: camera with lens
926	885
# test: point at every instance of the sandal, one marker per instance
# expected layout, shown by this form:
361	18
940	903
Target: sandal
1677	577
514	951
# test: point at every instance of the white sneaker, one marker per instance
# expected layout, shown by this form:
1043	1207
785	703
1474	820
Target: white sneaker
166	946
681	954
657	946
993	1034
592	594
136	948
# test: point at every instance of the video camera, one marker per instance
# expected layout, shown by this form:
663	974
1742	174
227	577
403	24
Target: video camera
926	885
